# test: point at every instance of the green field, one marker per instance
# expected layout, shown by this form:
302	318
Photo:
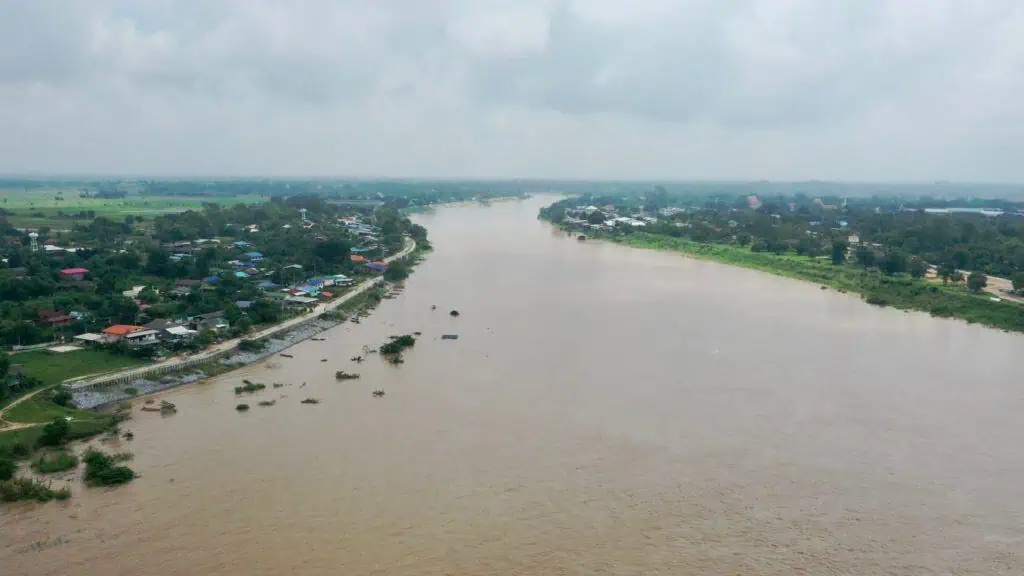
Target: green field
901	292
29	437
52	368
43	207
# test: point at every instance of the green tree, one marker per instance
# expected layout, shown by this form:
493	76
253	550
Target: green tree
839	251
918	268
946	272
1018	282
55	433
976	282
597	217
865	256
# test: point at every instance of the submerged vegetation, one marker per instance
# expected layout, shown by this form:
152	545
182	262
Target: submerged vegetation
103	469
342	375
52	462
310	401
249	387
242	407
16	489
398	344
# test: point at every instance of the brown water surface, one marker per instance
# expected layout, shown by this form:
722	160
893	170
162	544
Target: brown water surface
604	411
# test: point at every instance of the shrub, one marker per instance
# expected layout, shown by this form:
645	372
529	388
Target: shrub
55	433
17	489
62	397
7	468
102	470
55	462
242	407
131	391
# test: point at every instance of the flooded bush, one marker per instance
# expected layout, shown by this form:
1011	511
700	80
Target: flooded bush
102	469
249	387
268	403
17	489
398	344
242	407
310	401
55	462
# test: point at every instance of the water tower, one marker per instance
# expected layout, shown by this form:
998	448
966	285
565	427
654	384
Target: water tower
34	237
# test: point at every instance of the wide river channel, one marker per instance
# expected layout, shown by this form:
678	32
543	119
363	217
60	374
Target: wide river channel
605	410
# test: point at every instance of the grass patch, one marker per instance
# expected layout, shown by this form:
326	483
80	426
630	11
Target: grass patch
40	408
22	443
902	292
52	368
52	462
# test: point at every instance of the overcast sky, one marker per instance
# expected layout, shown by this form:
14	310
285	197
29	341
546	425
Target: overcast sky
702	89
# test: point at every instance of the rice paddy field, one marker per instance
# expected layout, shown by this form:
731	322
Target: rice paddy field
55	206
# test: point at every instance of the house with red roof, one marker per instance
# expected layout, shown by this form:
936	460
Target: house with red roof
76	274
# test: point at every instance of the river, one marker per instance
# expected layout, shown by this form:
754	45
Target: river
605	410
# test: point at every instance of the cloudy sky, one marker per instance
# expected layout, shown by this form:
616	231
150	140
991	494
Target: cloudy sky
683	89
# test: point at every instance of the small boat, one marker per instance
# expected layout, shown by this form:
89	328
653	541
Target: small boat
449	336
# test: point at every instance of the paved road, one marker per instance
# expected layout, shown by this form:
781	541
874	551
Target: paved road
227	345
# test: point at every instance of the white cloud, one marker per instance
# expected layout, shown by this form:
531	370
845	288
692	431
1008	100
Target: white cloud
781	89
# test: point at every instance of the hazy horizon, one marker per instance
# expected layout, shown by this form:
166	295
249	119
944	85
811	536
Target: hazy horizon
878	91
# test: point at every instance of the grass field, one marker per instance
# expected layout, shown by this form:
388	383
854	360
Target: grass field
53	368
897	291
36	208
39	409
29	437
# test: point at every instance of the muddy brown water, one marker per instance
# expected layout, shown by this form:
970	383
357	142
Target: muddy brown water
604	411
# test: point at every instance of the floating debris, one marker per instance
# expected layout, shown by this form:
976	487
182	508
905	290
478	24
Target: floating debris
167	408
449	336
454	313
310	401
417	333
242	407
303	385
277	385
150	401
129	436
433	306
318	339
357	358
283	355
378	393
342	375
268	402
323	359
396	359
246	381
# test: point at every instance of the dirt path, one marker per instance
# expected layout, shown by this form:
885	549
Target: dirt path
9	426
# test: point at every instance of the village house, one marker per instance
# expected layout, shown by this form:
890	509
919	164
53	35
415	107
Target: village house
54	319
254	256
169	329
213	321
130	334
74	274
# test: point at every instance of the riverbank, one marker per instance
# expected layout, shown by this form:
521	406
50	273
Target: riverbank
902	292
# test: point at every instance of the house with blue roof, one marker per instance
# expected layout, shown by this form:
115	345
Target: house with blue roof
254	256
240	244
